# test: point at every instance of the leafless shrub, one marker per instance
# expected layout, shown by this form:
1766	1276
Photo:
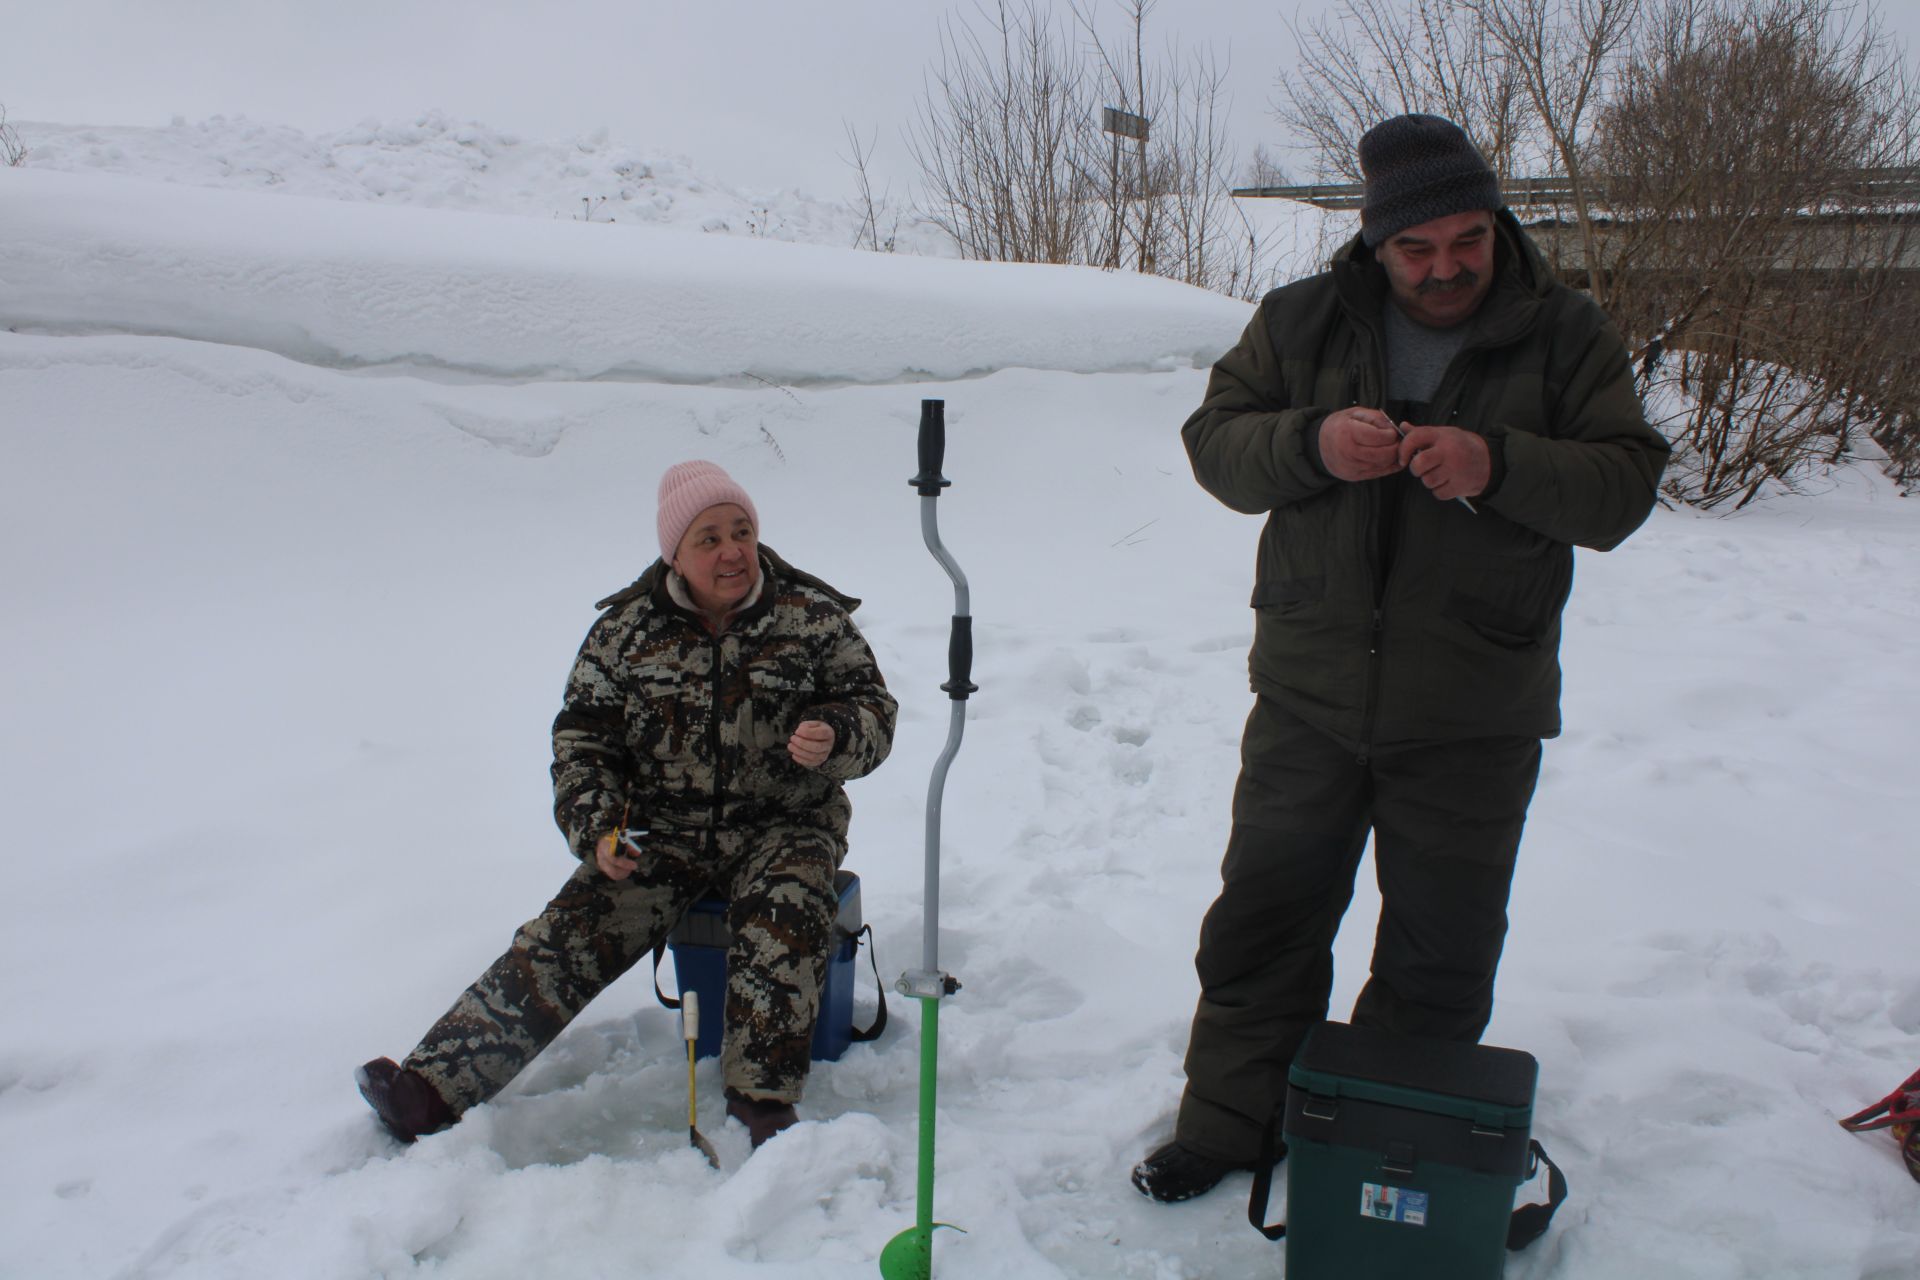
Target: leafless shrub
13	152
872	209
763	223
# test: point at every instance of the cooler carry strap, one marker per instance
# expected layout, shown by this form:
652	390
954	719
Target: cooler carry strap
880	988
659	951
1263	1185
1529	1221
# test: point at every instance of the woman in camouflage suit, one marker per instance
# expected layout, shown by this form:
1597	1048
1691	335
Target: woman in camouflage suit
714	710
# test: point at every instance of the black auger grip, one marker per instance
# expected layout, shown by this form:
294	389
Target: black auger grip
933	448
960	659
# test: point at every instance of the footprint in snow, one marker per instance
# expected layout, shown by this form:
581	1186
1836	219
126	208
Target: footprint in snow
1084	717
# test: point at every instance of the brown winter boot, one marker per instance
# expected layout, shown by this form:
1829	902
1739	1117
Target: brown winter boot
763	1117
406	1101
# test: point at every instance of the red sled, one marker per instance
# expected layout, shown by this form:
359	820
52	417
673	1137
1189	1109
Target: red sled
1900	1112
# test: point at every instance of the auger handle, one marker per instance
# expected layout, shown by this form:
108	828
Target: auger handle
933	448
960	660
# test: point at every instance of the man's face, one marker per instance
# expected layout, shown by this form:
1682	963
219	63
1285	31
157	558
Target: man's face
1441	270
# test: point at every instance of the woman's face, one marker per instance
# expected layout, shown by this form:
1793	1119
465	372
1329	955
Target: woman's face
719	557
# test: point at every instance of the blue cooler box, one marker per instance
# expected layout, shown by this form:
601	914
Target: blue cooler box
699	946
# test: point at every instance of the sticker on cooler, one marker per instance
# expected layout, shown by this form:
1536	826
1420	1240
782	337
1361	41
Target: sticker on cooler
1393	1204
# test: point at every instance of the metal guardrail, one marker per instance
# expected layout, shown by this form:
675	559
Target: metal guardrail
1866	187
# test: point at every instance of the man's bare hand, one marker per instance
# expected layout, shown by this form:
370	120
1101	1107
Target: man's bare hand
1359	444
1450	461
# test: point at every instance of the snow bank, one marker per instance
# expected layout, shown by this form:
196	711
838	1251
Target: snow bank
434	161
356	285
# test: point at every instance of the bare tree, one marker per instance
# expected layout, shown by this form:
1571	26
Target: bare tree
1733	174
1016	167
1127	182
1205	237
1002	139
1748	239
1562	52
1171	199
1366	60
1521	77
1264	171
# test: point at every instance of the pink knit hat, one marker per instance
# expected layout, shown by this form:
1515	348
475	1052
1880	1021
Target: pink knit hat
687	489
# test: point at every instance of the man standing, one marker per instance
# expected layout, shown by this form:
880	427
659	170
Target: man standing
1430	427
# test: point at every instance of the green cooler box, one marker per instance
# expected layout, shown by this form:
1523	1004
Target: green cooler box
1403	1156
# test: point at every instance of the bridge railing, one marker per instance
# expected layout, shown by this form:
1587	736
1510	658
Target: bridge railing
1860	188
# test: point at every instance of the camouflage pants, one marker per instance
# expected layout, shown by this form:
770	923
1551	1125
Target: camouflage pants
780	882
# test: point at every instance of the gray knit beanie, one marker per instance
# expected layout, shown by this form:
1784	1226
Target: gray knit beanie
1419	168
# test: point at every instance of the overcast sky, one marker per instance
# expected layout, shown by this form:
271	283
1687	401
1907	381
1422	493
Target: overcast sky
753	91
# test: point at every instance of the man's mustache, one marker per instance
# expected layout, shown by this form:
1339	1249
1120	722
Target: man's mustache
1462	279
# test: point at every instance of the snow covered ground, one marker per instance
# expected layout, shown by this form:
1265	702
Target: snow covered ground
303	508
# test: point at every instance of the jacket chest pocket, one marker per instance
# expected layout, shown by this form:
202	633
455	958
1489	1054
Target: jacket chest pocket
778	695
668	712
1338	384
1335	387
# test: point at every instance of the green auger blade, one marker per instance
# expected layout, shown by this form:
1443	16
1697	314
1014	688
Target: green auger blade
909	1255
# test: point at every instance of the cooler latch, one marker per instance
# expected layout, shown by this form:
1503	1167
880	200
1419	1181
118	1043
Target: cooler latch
1319	1108
1398	1159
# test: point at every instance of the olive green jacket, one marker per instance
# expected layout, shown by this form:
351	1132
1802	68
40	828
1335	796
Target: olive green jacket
1384	615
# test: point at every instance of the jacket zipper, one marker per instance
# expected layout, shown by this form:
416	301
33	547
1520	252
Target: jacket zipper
1383	525
1373	677
1377	629
719	769
1391	495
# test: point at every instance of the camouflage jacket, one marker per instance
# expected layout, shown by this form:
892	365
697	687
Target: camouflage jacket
686	732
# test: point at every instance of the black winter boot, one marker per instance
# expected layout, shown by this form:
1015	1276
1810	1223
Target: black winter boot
763	1117
406	1101
1172	1173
